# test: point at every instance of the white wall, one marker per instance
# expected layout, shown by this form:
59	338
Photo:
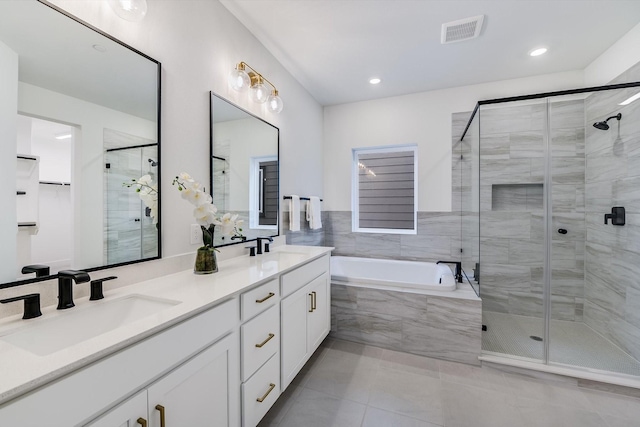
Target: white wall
420	118
8	150
614	61
198	42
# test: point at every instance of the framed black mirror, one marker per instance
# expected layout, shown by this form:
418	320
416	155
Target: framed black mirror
79	116
244	169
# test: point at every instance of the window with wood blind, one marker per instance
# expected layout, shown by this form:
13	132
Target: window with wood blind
385	189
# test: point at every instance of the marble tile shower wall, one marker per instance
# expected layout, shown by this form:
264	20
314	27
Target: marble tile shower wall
511	205
612	285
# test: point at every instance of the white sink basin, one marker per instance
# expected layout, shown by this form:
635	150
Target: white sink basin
45	336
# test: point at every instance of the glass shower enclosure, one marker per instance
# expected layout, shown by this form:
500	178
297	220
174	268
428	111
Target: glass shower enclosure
551	227
129	230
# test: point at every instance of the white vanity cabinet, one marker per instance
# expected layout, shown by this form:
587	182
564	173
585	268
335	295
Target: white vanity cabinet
197	393
305	315
221	362
260	350
161	369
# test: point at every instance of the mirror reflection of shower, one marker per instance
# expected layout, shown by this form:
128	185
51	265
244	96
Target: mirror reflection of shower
129	230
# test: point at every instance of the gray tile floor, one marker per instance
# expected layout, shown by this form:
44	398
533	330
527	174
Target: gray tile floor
351	385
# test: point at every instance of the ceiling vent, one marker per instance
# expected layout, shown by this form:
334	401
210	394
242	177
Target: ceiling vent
462	29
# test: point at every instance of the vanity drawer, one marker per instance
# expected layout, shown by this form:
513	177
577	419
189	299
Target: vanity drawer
259	299
294	280
260	392
260	340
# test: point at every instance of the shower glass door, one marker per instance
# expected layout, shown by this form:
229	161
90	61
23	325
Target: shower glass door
512	170
129	230
594	287
559	280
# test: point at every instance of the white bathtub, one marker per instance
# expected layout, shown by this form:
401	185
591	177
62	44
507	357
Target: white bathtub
388	273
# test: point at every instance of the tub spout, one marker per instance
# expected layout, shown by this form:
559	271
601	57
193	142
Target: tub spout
458	272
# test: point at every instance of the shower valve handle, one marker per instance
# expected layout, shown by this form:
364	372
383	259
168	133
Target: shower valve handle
617	216
562	231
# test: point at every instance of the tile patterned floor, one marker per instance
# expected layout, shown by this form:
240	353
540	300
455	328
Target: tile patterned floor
353	385
571	343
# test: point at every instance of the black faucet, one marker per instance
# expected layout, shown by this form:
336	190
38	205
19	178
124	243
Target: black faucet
96	288
39	269
266	245
65	286
458	273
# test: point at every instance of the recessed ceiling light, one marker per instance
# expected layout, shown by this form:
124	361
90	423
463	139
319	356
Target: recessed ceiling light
99	48
538	51
630	99
375	81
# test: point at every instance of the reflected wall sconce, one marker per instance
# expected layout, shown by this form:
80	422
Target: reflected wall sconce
241	80
129	10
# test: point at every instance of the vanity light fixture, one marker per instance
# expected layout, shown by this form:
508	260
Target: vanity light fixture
539	51
129	10
240	80
630	99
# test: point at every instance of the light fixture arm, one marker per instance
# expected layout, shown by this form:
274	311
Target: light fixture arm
243	64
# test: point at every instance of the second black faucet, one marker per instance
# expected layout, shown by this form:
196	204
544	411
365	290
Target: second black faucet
65	286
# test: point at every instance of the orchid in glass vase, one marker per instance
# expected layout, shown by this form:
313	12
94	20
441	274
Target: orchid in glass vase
206	215
148	193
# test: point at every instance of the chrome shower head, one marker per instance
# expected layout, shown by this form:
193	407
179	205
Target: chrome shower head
603	125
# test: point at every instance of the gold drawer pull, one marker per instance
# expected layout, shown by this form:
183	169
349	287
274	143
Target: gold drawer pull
260	301
142	422
311	306
161	409
271	387
265	341
314	299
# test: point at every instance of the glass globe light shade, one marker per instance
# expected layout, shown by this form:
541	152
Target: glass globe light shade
129	10
259	93
274	102
239	80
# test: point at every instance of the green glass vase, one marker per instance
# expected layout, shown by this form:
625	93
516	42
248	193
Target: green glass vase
206	262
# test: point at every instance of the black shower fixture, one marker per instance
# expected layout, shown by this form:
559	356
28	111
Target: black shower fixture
154	163
603	125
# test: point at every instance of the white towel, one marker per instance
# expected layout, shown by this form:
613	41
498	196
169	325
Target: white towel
294	213
314	213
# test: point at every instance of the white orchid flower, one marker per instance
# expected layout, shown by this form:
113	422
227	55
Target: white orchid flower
145	180
202	198
228	223
185	177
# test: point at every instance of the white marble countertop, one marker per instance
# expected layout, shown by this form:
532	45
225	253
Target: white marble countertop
22	371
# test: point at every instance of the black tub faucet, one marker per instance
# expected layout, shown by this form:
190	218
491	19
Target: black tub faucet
65	286
458	273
